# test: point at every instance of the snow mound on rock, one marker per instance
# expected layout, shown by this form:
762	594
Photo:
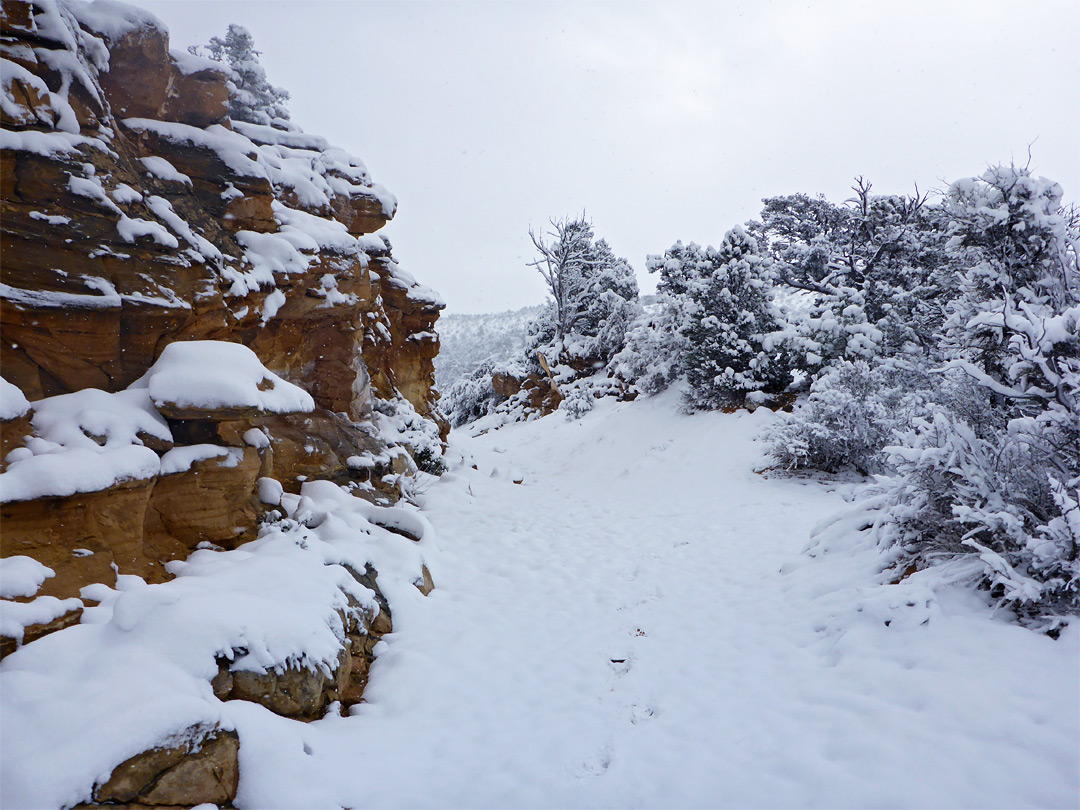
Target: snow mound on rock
215	375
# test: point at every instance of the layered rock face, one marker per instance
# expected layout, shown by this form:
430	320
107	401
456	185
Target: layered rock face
198	321
136	214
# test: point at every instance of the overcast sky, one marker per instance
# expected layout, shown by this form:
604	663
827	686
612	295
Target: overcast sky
661	121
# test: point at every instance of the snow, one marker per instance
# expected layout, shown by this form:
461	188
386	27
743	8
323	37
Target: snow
271	304
647	620
309	232
180	459
256	438
135	673
84	442
22	576
125	194
189	63
75	470
637	625
49	218
270	491
91	188
15	617
163	170
92	419
63	300
267	253
307	167
279	137
212	374
131	228
13	402
749	687
48	144
113	19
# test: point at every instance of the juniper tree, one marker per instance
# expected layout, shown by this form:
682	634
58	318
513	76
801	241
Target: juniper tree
251	97
593	296
994	470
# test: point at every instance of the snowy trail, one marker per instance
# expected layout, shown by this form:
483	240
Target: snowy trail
616	631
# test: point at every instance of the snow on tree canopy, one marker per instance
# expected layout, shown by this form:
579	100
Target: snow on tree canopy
214	375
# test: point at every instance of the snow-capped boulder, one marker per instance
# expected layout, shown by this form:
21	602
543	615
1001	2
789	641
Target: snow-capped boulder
211	379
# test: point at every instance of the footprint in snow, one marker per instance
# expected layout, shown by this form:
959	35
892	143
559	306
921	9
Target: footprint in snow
642	713
597	765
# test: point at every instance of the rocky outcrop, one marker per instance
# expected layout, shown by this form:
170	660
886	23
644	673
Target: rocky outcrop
137	214
305	692
202	768
538	394
82	536
138	217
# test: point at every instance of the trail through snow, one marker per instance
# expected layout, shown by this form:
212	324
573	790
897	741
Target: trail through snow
634	625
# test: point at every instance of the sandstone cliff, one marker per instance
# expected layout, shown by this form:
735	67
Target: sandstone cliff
136	214
198	321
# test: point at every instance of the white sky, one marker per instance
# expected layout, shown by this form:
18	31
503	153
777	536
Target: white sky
661	121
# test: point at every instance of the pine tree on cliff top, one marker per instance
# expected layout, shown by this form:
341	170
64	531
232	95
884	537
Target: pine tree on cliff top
251	97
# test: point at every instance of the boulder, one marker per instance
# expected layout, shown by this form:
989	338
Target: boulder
425	584
304	692
199	98
202	769
291	691
541	394
213	501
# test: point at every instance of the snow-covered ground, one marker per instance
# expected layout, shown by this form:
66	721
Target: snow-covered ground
635	625
624	616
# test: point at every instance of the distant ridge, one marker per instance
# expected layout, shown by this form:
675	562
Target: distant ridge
469	340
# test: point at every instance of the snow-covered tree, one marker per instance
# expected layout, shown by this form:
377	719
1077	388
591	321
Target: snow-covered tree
651	358
470	396
733	349
852	413
564	261
593	297
869	271
1018	246
251	97
1004	487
